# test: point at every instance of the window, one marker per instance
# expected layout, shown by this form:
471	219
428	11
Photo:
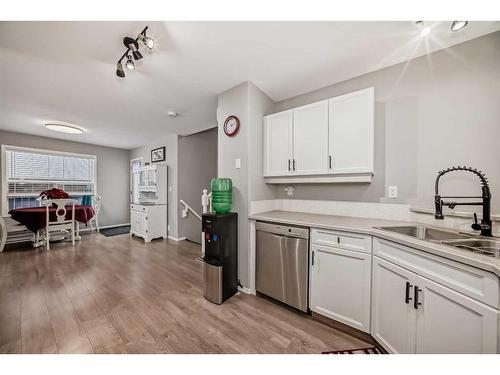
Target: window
27	172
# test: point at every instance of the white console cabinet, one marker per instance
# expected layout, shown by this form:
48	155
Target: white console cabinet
148	221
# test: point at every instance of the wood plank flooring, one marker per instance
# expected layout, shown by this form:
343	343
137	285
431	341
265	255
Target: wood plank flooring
119	295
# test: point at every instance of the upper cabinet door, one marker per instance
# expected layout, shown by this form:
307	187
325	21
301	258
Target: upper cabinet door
449	322
278	144
351	128
310	139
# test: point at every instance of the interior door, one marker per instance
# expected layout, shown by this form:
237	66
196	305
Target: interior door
351	132
341	285
278	144
449	322
310	139
393	315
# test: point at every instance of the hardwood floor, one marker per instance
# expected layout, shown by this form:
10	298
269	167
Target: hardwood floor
119	295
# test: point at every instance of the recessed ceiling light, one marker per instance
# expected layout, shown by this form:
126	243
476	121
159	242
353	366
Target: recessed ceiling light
458	25
64	128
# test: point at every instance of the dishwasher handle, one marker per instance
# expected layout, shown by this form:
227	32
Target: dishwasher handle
282	230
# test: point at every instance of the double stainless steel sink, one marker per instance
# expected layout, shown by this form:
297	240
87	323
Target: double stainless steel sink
480	245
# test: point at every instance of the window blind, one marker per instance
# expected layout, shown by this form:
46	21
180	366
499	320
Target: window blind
24	165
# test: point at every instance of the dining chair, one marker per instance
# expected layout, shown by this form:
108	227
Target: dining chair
61	223
3	233
96	203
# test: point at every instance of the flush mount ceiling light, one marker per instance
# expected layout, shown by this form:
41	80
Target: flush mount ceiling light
64	128
132	46
424	30
458	25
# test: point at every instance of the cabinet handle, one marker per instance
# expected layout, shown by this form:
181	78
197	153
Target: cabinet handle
415	302
338	240
288	165
293	164
330	161
407	294
312	261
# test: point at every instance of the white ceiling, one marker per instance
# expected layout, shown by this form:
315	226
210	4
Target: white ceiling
65	71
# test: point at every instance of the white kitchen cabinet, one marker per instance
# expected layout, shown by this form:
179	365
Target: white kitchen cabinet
278	144
412	314
328	141
351	132
393	319
340	285
449	322
310	139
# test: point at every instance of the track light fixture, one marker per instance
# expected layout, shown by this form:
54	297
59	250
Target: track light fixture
458	25
132	46
130	63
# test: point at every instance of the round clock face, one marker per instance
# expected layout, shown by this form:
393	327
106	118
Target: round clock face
232	126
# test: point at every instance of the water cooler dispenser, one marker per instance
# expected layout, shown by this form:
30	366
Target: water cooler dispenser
220	262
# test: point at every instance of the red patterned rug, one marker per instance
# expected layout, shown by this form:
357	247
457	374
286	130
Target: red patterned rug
369	350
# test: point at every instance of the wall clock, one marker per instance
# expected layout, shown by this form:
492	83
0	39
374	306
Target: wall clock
158	154
231	126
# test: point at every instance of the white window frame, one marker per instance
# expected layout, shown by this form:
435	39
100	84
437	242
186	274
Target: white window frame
5	182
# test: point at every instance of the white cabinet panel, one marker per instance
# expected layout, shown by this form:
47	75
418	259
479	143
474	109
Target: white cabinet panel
351	129
310	139
449	322
344	240
393	318
340	285
278	144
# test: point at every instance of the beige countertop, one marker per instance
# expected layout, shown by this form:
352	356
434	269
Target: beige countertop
369	226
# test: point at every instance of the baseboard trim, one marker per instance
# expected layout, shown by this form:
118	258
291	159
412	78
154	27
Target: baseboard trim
114	226
177	239
242	289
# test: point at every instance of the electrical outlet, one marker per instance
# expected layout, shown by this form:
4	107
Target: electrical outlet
237	163
168	228
392	191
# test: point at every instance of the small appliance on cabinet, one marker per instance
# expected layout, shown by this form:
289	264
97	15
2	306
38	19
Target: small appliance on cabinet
220	262
148	211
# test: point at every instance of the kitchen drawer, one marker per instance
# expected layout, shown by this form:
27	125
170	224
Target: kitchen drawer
343	240
137	207
473	282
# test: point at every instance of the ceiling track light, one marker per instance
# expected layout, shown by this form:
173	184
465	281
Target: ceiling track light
132	46
458	25
424	30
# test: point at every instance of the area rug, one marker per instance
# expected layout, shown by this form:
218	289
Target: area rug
369	350
115	231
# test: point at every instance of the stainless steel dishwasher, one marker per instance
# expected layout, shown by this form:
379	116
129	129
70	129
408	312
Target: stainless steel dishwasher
282	263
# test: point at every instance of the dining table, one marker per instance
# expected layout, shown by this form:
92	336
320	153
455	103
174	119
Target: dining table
35	218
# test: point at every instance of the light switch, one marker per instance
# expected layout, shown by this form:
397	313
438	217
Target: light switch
237	163
170	188
392	191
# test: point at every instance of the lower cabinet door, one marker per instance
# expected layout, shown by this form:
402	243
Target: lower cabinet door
393	313
142	223
340	285
450	322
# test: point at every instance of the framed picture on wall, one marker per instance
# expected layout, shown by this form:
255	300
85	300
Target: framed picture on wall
158	154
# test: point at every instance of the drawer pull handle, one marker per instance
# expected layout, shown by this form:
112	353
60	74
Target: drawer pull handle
407	294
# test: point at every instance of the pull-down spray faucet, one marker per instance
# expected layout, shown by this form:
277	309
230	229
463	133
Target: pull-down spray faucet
486	225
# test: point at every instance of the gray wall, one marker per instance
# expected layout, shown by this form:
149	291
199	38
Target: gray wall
249	104
197	165
112	171
170	142
431	113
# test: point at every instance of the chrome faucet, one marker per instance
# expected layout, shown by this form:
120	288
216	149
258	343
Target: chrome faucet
486	225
